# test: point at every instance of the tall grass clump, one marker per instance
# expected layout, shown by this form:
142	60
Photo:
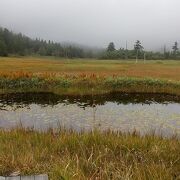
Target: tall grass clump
89	155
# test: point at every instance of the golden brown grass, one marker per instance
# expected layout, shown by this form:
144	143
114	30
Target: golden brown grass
80	76
64	76
93	155
155	69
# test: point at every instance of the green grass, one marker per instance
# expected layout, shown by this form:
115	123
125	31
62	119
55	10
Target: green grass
93	155
83	85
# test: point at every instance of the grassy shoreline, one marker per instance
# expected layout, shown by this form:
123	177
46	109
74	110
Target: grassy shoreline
89	155
88	77
84	84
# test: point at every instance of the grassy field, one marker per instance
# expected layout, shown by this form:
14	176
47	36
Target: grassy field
155	69
75	76
95	155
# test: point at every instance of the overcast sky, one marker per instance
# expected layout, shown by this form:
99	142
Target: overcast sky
95	22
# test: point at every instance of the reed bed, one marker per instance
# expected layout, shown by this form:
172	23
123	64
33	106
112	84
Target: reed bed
83	83
65	154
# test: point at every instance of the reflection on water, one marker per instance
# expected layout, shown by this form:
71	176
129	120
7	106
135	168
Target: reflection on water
125	112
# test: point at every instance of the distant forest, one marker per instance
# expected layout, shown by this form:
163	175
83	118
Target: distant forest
139	53
18	44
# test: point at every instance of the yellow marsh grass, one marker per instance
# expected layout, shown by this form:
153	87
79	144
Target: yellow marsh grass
105	155
156	69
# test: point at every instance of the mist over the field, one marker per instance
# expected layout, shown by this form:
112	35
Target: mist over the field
95	22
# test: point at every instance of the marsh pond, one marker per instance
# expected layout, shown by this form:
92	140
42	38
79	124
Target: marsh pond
147	113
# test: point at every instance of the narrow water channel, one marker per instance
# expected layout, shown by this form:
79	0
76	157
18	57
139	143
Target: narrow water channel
146	113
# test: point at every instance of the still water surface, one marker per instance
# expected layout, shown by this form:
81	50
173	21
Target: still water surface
144	112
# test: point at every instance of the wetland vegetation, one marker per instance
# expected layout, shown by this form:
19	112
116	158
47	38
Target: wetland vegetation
93	155
88	76
98	153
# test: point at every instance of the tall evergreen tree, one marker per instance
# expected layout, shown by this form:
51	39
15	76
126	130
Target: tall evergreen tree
175	48
138	48
111	47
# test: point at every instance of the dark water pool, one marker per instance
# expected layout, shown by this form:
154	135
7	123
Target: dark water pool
119	111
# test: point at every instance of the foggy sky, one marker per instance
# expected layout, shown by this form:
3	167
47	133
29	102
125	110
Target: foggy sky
95	22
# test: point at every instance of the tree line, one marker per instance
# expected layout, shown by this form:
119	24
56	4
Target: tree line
18	44
139	53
